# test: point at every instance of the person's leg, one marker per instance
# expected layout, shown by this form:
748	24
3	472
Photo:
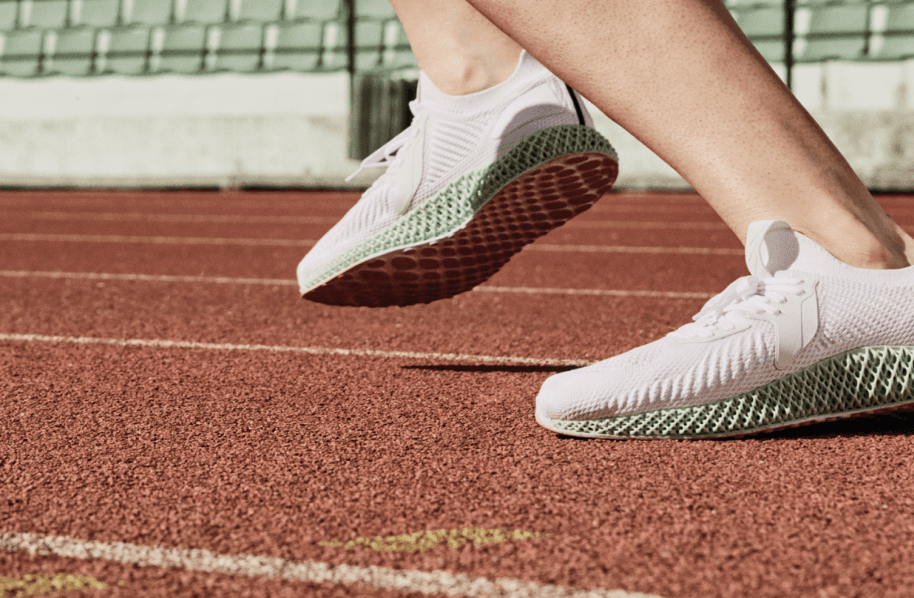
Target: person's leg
681	77
460	50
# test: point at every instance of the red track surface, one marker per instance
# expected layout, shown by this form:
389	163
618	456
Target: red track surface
265	453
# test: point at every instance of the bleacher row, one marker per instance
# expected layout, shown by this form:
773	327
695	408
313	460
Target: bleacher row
140	37
137	37
824	30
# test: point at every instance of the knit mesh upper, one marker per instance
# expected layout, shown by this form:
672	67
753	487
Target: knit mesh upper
856	308
454	137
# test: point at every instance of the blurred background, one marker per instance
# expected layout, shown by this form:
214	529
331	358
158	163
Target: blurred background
293	93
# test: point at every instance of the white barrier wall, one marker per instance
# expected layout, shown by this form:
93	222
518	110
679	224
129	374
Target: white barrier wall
291	130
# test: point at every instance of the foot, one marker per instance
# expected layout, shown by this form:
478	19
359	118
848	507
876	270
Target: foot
473	180
804	338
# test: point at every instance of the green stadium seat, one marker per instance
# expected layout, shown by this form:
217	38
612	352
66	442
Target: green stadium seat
151	12
334	55
832	20
239	48
45	14
127	51
896	47
771	50
210	12
72	53
898	39
99	13
8	15
397	53
836	33
760	22
373	9
182	49
833	48
21	55
900	18
316	10
298	46
369	42
261	11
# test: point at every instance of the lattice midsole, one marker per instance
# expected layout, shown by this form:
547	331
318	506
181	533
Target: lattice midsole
453	206
856	381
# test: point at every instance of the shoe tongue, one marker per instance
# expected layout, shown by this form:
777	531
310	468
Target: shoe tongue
772	246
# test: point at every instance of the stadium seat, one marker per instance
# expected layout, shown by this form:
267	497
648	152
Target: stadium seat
239	48
898	36
772	50
21	53
369	42
209	12
373	9
44	14
760	22
99	13
127	51
397	53
900	18
334	55
182	49
838	20
151	12
8	15
836	33
298	46
261	11
896	47
316	10
73	53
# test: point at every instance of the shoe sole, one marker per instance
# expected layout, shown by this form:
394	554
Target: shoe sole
857	382
467	232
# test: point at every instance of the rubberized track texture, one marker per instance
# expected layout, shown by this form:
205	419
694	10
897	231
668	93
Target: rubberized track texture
467	232
175	421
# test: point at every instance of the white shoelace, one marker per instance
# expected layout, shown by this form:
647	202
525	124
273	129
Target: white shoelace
391	155
749	294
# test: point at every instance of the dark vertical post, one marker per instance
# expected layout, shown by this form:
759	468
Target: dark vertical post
350	43
789	10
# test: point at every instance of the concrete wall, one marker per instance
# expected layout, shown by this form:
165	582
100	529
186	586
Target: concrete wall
291	130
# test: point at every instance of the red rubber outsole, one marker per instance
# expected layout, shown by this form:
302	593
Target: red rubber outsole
525	209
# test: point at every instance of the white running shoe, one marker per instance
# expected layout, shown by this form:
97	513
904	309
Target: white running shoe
804	338
469	183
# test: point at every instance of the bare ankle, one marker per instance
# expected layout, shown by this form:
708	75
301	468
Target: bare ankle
463	75
862	249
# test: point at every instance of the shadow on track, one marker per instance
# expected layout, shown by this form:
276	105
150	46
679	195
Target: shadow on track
516	369
897	423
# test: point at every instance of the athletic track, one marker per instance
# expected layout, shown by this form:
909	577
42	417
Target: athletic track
177	422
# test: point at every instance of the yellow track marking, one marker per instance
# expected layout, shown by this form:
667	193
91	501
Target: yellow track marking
426	540
33	585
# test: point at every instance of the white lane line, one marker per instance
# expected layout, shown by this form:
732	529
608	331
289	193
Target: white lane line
248	219
196	559
154	240
306	242
169	344
292	283
193	218
596	292
642	224
147	277
629	249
